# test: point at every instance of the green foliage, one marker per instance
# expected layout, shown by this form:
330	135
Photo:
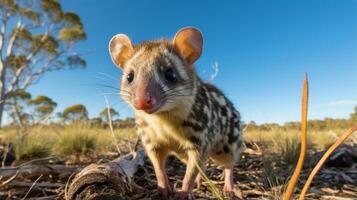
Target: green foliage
75	113
33	16
44	43
270	177
29	147
17	61
72	34
104	114
20	94
16	104
72	19
44	105
96	122
9	6
75	61
290	150
76	140
40	37
53	9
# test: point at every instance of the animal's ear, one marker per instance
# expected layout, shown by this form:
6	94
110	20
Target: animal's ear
120	49
189	42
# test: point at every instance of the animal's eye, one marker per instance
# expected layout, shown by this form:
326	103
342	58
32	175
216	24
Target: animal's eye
170	75
130	77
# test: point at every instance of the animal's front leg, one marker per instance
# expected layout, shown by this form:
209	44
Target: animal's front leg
158	159
193	162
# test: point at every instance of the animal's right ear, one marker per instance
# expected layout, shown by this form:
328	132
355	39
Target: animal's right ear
120	49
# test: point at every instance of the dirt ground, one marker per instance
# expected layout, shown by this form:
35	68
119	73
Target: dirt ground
255	178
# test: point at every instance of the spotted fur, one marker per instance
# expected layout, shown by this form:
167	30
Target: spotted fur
196	121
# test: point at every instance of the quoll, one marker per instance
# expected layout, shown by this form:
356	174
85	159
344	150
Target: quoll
176	112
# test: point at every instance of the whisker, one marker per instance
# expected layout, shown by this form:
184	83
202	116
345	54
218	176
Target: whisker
107	75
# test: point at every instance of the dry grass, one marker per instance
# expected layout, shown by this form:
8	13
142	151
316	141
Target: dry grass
80	138
285	146
277	138
63	141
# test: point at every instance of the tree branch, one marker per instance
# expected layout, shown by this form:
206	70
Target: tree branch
2	40
38	74
18	72
13	38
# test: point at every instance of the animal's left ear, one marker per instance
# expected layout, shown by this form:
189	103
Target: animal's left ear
189	42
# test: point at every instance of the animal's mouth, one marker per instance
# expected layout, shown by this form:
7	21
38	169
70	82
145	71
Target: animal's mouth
154	109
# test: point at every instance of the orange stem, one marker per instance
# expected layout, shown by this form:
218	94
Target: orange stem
324	158
295	177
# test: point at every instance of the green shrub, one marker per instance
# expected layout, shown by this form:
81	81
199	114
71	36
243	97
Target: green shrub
28	147
76	140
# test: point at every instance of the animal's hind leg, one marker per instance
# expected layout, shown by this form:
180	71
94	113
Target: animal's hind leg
228	178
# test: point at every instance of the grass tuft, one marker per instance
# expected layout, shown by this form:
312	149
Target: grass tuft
76	140
31	147
290	150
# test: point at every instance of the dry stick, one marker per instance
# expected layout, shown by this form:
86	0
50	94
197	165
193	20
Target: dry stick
66	187
324	158
9	180
295	177
6	151
111	126
34	183
31	162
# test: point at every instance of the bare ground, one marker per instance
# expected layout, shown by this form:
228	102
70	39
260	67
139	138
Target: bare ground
258	176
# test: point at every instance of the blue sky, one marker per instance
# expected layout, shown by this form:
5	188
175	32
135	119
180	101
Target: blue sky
262	48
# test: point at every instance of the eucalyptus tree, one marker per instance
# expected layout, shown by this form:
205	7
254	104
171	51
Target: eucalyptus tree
16	107
43	107
36	37
104	114
77	112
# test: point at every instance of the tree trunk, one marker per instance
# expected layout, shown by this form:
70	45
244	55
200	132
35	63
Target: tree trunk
2	87
1	113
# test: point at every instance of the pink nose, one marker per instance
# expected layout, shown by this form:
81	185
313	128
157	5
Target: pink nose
144	102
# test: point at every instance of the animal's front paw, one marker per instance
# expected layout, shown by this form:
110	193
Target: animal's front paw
182	195
166	192
235	194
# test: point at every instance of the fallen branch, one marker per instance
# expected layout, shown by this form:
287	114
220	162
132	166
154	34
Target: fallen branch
29	171
112	180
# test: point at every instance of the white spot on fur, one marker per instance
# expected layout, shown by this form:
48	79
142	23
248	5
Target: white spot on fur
224	120
220	99
229	112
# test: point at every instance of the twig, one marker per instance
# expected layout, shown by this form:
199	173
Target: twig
66	187
36	160
111	126
10	179
30	162
42	184
6	151
34	183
